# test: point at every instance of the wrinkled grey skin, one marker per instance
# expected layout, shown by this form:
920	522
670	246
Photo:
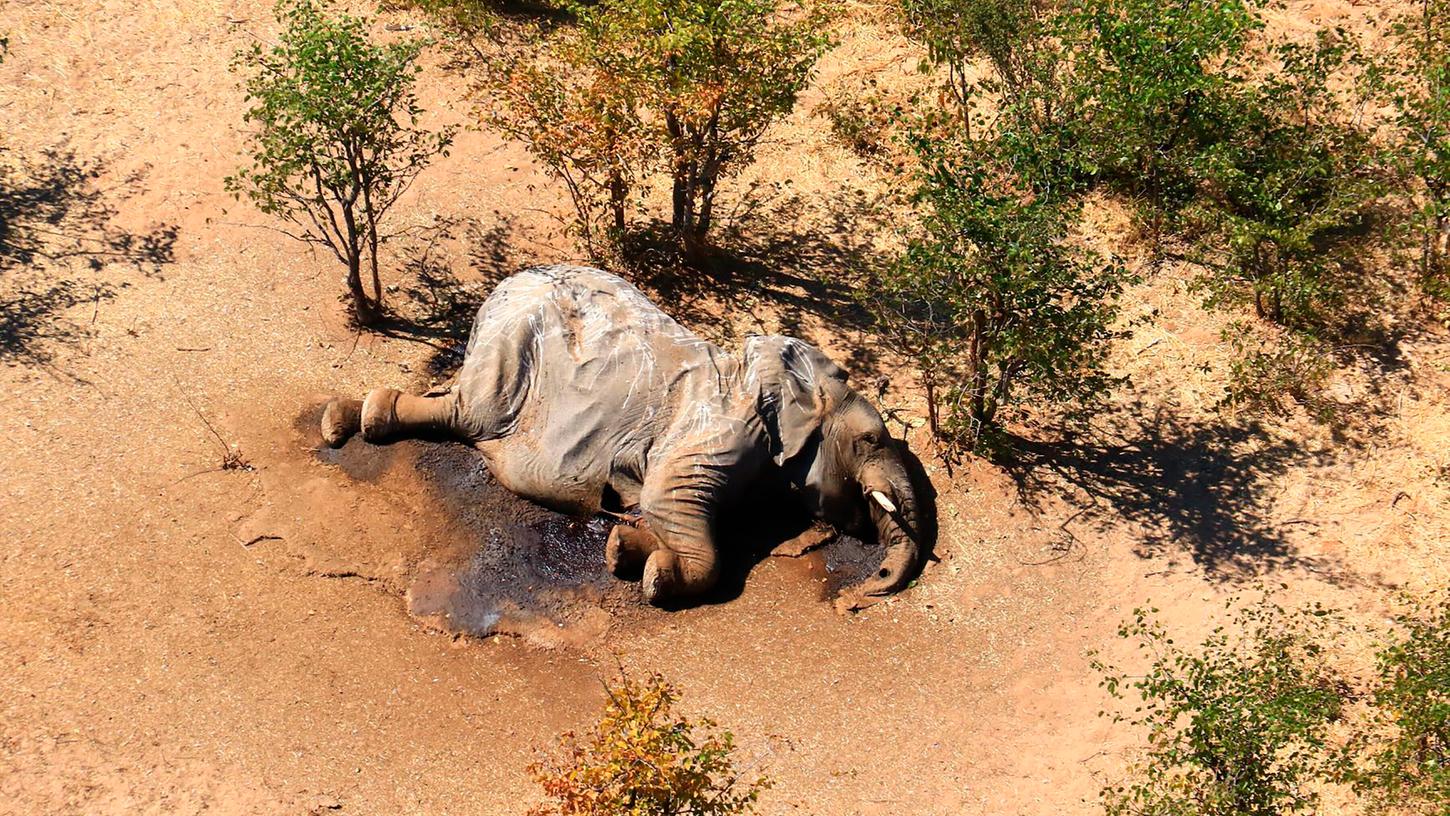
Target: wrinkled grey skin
583	396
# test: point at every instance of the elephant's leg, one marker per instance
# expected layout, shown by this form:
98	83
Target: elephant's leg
679	501
387	413
628	548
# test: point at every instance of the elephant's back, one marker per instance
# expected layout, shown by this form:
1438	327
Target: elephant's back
579	370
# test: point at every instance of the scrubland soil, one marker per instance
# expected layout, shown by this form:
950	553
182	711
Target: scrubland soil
286	635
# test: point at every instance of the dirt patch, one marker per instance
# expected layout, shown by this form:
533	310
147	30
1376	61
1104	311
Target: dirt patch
485	561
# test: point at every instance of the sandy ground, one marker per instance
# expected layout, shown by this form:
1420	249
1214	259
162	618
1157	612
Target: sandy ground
178	638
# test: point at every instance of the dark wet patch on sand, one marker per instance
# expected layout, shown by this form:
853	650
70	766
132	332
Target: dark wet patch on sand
499	564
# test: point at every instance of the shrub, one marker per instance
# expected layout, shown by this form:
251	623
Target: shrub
586	127
337	139
686	87
1271	369
860	122
1405	752
1026	92
991	299
1270	177
1236	727
643	759
1288	192
1151	79
1422	99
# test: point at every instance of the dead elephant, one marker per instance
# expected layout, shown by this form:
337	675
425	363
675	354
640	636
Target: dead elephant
583	396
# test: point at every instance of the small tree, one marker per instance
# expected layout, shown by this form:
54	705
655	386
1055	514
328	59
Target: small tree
1422	97
642	759
337	140
719	71
686	86
1009	33
1027	90
1289	190
1236	727
1405	752
991	298
1150	80
577	109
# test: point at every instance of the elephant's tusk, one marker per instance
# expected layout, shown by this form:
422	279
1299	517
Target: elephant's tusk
885	503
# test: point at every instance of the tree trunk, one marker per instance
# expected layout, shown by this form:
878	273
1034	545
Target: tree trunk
679	173
707	204
977	356
618	194
373	263
684	192
370	222
363	309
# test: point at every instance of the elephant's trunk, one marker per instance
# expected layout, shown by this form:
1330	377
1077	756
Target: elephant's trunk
894	509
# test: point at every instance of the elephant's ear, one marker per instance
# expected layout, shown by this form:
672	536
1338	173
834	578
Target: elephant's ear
798	389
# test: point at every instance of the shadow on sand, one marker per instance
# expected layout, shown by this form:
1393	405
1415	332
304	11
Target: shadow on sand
53	216
1198	488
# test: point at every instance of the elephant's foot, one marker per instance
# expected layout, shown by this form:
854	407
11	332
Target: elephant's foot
340	420
379	419
661	577
627	549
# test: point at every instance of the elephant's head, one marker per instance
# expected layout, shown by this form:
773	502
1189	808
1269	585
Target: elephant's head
835	450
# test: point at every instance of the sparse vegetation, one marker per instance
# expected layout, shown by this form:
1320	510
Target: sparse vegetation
685	88
1271	370
858	123
1023	101
1400	761
643	758
991	299
1151	81
1235	727
1285	221
337	139
1256	154
1260	719
1421	96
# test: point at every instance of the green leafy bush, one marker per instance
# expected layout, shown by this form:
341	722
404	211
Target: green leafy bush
683	87
1403	763
1237	726
1271	369
1151	81
1256	155
1422	98
642	759
991	298
1025	101
337	140
1285	217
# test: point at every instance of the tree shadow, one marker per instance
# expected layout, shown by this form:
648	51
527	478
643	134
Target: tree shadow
1198	488
773	262
438	305
53	215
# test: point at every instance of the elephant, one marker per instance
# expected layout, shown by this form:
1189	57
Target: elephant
585	397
